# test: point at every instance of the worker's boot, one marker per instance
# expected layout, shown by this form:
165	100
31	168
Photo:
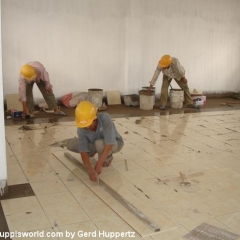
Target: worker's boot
108	161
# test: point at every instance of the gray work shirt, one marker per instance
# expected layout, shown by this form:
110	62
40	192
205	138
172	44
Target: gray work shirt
105	130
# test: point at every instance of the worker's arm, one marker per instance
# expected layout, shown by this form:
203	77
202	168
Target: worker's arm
22	95
25	108
105	153
184	80
46	79
93	175
155	77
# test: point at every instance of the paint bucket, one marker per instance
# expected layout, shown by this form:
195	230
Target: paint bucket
146	99
176	98
146	88
95	96
153	89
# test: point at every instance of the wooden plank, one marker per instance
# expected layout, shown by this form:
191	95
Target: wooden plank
141	216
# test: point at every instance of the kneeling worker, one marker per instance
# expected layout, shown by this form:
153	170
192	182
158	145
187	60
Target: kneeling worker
96	134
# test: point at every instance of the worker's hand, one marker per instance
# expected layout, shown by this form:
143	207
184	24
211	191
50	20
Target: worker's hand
184	80
25	114
150	88
93	176
49	90
98	168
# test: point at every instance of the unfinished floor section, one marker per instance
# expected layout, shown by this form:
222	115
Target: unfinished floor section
160	153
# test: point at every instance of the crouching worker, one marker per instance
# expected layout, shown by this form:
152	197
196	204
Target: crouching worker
96	134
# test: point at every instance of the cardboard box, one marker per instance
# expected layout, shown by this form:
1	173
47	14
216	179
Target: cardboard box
199	100
16	113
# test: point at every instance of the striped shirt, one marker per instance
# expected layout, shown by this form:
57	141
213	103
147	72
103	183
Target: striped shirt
42	74
175	71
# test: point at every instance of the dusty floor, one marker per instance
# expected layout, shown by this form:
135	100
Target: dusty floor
203	145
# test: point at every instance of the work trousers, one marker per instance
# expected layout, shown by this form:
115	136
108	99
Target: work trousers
49	97
164	91
98	146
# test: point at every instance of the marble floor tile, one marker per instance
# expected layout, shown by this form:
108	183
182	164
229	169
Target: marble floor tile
24	214
16	174
231	220
62	208
49	186
204	146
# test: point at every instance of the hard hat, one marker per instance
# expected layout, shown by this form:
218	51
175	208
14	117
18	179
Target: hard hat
28	72
85	113
165	61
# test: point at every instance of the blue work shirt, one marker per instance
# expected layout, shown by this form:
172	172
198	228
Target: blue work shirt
105	130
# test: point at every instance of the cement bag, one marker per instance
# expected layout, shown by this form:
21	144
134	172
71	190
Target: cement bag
71	100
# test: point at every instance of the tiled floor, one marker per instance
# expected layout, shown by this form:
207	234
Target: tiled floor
205	147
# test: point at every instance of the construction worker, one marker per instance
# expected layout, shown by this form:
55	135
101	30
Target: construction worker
171	68
35	72
96	134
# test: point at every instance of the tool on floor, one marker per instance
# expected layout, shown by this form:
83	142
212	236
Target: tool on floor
138	121
126	165
184	182
229	104
27	128
141	216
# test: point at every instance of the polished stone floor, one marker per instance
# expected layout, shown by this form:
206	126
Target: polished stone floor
160	153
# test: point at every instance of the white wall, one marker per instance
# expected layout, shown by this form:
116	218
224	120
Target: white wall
116	44
3	162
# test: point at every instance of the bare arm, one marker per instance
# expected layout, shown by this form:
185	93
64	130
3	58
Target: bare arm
93	175
105	153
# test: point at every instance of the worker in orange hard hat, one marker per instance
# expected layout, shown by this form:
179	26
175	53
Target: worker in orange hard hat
171	69
35	72
96	134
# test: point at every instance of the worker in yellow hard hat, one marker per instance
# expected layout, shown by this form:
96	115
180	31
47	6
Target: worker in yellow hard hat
30	73
96	134
171	69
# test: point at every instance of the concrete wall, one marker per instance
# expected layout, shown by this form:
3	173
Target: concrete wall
116	44
3	162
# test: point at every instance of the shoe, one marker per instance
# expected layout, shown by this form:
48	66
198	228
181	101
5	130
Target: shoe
60	113
92	154
162	108
108	162
192	106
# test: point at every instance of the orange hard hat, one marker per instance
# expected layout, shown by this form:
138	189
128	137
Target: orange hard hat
85	113
28	72
165	61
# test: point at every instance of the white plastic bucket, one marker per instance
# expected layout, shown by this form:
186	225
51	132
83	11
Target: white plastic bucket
95	96
146	99
176	98
153	89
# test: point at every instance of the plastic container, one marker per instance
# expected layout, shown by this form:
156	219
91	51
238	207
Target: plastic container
95	96
146	99
176	98
131	100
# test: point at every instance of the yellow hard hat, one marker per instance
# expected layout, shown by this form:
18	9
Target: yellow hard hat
165	61
85	113
28	72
